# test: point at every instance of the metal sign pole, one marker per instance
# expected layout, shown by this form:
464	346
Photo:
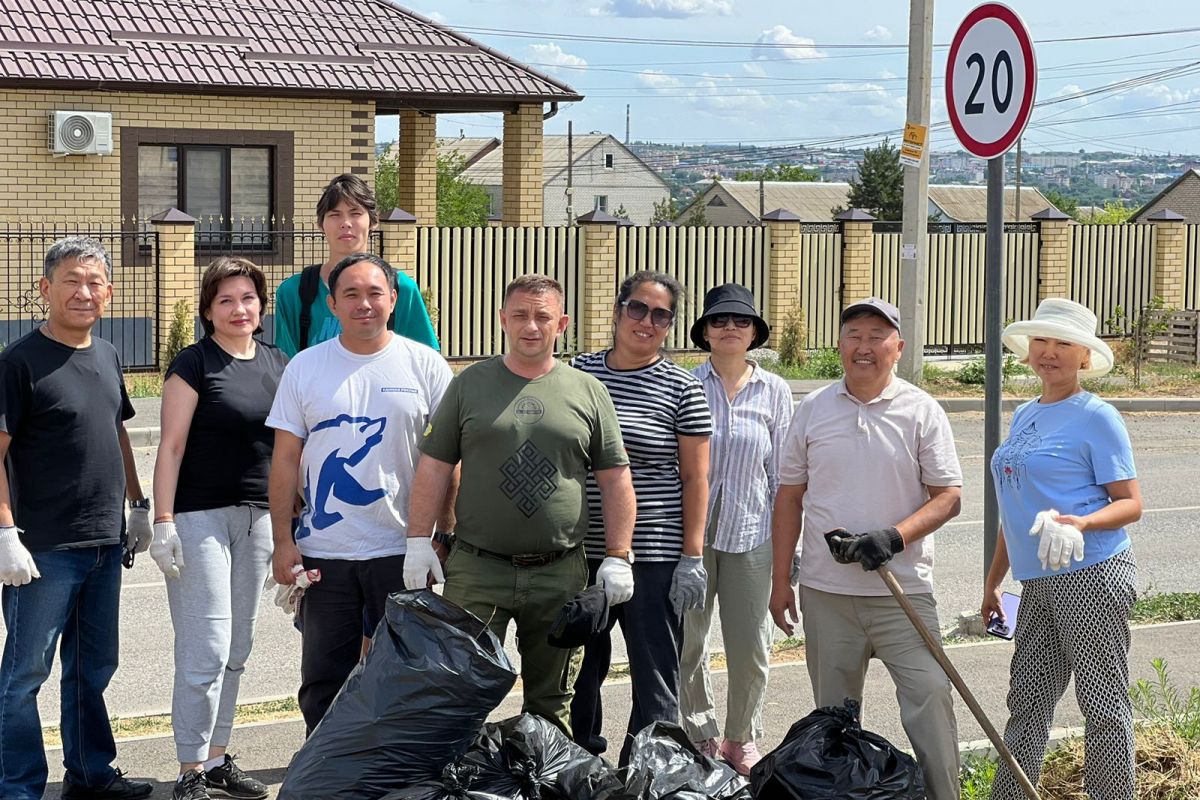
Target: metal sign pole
993	321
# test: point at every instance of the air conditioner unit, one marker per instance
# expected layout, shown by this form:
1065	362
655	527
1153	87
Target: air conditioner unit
79	133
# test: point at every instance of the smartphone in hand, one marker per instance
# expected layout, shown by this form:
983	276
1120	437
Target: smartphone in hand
1004	629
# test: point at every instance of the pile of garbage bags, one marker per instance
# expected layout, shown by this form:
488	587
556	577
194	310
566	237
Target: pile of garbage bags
409	724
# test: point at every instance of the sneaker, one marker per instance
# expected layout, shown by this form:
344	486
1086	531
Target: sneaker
740	755
228	780
119	788
708	747
192	786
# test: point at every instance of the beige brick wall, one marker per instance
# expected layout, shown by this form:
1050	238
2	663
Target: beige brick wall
1169	263
783	274
176	277
416	161
522	181
330	136
858	247
400	246
599	278
1054	258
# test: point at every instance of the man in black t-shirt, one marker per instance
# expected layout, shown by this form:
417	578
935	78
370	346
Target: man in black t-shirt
67	468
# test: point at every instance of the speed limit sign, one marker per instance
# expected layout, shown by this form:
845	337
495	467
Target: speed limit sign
991	79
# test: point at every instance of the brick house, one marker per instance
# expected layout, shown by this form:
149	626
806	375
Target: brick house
1182	196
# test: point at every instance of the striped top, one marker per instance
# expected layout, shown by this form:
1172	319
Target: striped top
655	405
743	466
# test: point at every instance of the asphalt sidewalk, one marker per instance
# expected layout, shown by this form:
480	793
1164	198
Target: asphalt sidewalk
265	749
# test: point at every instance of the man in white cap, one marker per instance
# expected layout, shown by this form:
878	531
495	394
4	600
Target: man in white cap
871	458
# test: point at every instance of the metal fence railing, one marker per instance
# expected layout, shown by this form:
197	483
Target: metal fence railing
1112	267
129	320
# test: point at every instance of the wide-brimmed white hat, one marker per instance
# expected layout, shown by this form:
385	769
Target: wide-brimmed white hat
1057	318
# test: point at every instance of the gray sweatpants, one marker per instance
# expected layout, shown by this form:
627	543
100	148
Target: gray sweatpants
214	605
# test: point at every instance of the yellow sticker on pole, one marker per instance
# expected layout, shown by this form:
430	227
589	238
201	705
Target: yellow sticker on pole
912	150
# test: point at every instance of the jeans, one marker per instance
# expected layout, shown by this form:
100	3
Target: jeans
653	637
76	598
334	611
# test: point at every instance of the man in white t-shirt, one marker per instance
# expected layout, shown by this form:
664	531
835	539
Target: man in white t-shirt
348	416
871	457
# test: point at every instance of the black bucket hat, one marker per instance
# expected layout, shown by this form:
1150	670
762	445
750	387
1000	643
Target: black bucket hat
731	298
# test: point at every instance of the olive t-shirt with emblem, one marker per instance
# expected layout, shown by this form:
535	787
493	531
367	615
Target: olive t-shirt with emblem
526	447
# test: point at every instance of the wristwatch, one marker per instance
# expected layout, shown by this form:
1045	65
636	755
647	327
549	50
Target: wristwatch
444	538
143	504
625	554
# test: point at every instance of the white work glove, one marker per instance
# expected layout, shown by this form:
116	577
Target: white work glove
689	584
616	576
287	596
137	530
166	549
419	562
1059	543
16	564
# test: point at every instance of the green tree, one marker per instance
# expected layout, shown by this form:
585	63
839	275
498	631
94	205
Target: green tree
695	217
1067	205
386	180
664	211
1114	213
621	213
879	186
793	173
460	203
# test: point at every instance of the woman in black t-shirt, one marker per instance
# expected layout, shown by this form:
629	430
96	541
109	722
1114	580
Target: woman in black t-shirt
212	529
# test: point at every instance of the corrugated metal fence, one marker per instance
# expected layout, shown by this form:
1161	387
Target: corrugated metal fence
1113	266
1191	265
821	281
466	269
699	258
954	283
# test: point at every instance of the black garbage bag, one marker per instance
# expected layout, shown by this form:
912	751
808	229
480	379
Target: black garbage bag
664	765
529	758
828	755
433	674
455	784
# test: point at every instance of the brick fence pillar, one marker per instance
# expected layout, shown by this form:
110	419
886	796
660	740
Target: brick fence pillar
598	281
858	255
416	166
176	273
522	182
1054	253
399	229
784	277
1170	257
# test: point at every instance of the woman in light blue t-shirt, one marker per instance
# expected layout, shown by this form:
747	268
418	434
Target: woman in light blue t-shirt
1066	487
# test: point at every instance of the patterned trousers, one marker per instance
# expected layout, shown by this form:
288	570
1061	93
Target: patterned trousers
1074	624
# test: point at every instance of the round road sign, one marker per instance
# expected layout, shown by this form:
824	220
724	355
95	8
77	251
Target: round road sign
991	79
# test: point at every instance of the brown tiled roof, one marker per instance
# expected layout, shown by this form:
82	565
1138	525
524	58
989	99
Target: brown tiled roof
372	49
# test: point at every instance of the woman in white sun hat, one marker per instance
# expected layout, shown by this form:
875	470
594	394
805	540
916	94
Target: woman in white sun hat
1066	487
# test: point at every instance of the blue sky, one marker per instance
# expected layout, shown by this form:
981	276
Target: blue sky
804	88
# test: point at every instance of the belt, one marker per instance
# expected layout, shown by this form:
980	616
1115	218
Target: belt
519	560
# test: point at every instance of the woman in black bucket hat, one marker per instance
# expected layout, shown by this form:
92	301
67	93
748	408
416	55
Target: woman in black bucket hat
751	410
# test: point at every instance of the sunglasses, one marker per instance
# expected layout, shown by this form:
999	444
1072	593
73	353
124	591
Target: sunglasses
636	310
721	320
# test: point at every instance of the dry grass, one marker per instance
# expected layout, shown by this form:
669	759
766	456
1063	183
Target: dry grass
1168	768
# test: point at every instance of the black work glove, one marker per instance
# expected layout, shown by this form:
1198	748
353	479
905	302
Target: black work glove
837	541
873	549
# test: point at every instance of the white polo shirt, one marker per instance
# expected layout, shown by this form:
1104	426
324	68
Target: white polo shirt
866	466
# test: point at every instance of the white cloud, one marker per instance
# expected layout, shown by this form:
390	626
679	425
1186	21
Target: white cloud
887	75
664	8
754	69
658	80
878	34
860	98
712	94
551	58
795	48
436	16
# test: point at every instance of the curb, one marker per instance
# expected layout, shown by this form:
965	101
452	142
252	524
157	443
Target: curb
143	437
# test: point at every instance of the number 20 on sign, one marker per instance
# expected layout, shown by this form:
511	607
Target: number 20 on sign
991	80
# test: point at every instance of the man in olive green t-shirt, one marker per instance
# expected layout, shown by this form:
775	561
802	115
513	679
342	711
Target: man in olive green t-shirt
526	429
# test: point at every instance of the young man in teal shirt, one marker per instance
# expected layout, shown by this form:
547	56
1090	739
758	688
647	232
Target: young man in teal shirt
346	214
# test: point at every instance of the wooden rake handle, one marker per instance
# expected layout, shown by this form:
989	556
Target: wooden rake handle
940	655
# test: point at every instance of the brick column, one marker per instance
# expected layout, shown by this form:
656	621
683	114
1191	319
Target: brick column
1170	257
399	229
416	165
858	254
176	272
1054	253
522	182
598	281
784	277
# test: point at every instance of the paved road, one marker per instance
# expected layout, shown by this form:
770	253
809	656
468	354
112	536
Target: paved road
1165	547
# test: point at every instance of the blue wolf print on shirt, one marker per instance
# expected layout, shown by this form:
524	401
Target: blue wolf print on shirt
334	476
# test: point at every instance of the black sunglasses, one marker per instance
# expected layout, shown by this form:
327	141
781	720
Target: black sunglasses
721	320
659	317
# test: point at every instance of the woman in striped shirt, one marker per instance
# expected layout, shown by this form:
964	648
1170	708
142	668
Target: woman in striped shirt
665	424
751	411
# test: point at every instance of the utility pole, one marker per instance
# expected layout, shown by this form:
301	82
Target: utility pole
1017	201
627	124
914	230
570	173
